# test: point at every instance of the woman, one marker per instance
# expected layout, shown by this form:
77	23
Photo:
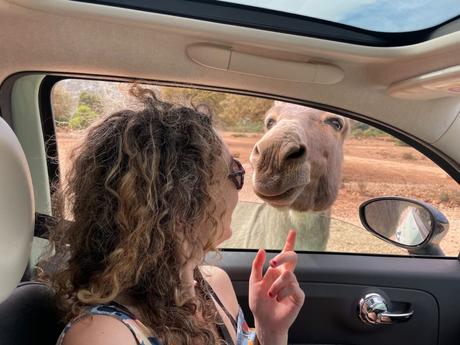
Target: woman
151	192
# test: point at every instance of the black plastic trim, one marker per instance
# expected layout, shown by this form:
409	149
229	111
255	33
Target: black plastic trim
276	21
48	128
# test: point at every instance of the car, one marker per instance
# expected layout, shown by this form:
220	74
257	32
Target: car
391	70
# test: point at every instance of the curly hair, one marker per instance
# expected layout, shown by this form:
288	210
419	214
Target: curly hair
142	185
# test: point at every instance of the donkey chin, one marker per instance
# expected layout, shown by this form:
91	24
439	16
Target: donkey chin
282	196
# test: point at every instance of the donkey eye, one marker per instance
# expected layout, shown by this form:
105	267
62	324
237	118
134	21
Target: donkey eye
270	123
335	123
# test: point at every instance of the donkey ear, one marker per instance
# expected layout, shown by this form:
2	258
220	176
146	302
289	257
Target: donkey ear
346	131
204	108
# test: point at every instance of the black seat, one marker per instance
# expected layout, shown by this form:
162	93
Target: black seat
30	316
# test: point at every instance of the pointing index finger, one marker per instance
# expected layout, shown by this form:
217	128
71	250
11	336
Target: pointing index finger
257	266
290	241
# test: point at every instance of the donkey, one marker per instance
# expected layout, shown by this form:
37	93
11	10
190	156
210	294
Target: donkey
297	172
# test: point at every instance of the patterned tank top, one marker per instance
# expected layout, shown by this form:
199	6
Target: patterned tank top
244	335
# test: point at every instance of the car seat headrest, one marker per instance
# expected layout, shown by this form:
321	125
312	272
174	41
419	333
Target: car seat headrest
16	211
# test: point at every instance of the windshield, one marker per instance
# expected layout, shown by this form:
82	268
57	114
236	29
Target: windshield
375	15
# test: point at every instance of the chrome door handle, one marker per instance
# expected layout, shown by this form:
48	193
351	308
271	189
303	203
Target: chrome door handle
373	310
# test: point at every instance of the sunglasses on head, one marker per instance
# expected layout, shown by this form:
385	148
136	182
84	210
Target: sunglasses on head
237	177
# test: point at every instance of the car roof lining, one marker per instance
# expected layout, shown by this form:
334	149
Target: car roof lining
74	37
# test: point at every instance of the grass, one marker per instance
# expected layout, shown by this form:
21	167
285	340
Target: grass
367	133
444	196
450	196
362	187
400	143
408	156
246	127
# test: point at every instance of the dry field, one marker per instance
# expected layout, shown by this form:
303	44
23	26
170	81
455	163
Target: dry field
372	167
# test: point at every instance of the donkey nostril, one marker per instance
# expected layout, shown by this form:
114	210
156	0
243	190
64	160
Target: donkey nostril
296	153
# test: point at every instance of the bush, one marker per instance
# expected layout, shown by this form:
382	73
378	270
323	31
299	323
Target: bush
230	112
362	187
444	196
408	156
83	117
400	143
369	132
92	101
245	126
363	130
62	105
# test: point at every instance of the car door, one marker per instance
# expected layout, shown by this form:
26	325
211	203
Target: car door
355	265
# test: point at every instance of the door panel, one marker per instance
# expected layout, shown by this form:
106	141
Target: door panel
334	284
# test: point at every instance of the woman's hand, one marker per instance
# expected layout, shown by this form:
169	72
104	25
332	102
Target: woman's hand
275	298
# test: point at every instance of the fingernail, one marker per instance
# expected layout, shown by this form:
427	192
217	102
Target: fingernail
270	294
273	263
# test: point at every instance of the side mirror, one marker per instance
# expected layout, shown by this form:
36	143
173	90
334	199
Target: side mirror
407	223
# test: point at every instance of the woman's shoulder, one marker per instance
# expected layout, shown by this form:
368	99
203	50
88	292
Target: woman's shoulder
97	330
213	273
217	278
220	282
104	325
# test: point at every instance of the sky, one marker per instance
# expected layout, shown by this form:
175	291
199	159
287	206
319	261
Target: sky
377	15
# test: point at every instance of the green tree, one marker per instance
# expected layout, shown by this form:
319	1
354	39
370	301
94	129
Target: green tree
231	112
244	113
83	117
363	130
61	103
90	107
93	101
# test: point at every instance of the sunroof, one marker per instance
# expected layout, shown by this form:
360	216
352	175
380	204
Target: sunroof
379	23
375	15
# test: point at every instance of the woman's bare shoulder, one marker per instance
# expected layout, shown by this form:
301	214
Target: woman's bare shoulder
99	330
222	286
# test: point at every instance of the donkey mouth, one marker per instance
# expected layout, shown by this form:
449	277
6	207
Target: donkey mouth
288	194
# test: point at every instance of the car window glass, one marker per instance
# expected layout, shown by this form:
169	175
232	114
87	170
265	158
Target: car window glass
383	15
374	164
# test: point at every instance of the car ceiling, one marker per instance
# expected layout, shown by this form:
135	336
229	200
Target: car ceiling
73	37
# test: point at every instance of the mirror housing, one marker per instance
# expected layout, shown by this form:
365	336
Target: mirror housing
407	223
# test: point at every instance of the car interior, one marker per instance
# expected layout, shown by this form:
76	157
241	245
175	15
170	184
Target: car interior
406	84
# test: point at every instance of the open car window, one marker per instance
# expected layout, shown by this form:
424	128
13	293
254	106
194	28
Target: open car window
374	164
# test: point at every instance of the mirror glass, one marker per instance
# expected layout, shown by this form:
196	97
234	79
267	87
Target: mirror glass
400	221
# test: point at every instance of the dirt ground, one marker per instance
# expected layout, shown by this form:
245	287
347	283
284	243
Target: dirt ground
372	167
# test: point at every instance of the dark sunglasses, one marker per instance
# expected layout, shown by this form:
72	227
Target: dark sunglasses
237	177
